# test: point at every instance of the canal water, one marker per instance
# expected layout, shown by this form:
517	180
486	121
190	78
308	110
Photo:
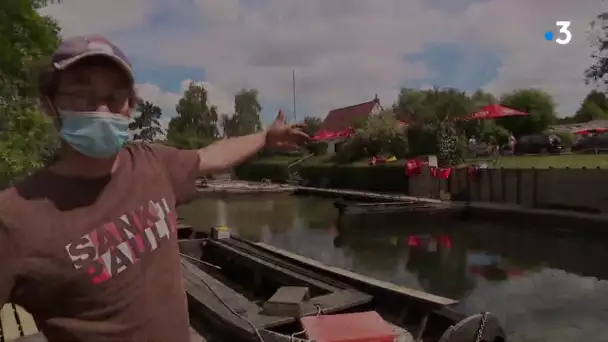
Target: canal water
543	287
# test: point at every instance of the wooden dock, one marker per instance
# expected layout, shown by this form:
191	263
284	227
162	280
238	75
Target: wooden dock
245	187
364	195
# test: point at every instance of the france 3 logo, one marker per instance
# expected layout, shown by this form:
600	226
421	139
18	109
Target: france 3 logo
563	36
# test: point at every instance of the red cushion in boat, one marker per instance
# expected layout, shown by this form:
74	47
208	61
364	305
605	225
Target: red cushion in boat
356	327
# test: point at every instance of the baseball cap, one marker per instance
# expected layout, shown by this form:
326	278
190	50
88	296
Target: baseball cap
72	50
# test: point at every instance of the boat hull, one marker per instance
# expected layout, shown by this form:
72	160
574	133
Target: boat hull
426	316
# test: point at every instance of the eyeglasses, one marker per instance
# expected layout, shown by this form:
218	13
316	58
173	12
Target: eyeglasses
91	100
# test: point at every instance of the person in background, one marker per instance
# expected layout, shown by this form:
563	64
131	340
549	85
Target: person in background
512	143
472	146
89	245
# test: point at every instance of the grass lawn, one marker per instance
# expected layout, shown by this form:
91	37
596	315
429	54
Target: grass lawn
545	162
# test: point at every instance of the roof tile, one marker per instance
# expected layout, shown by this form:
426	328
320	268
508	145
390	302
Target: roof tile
339	119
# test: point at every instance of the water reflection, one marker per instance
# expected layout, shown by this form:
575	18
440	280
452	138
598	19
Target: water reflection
542	287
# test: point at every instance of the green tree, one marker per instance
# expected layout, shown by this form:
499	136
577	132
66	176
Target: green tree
481	99
599	41
27	139
230	125
25	38
593	107
448	103
313	125
246	117
380	134
448	153
146	126
538	103
195	125
247	111
410	105
428	106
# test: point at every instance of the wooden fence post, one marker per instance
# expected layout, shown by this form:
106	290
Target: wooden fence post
503	184
518	186
534	187
491	178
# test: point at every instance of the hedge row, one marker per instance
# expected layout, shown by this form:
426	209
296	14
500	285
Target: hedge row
381	178
276	172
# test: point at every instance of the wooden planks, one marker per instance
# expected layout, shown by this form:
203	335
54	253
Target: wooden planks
256	261
15	322
200	286
365	194
10	327
28	325
427	297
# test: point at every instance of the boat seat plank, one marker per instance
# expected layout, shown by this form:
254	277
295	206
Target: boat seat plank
339	300
10	327
28	325
273	266
422	296
235	300
328	304
195	279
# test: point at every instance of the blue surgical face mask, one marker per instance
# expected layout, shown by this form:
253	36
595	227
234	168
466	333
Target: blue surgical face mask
94	134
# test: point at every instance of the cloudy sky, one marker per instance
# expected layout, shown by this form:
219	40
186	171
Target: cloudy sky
343	51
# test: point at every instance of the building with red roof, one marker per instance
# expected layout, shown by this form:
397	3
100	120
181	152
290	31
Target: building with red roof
338	122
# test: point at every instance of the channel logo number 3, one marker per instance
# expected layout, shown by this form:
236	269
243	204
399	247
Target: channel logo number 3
564	30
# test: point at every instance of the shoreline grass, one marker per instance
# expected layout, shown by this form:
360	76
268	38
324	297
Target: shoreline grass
573	161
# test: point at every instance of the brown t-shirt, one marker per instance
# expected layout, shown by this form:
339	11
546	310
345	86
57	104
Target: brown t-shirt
97	260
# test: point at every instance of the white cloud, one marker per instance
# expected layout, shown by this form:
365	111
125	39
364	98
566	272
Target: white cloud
345	51
78	17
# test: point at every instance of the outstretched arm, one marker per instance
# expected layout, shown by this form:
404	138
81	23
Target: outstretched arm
185	166
228	153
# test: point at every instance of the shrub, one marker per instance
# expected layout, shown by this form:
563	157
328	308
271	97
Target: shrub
256	171
317	148
379	134
566	138
381	178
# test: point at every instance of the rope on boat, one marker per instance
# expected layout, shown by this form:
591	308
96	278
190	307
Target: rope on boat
199	261
319	313
255	329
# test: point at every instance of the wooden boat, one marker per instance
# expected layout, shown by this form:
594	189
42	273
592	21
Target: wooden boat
358	208
232	285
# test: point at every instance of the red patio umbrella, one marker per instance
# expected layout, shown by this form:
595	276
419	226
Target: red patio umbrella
591	130
326	135
495	111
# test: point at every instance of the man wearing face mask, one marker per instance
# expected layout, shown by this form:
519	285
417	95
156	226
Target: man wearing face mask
88	245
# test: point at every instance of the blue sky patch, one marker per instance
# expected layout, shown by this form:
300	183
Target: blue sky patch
456	65
167	78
